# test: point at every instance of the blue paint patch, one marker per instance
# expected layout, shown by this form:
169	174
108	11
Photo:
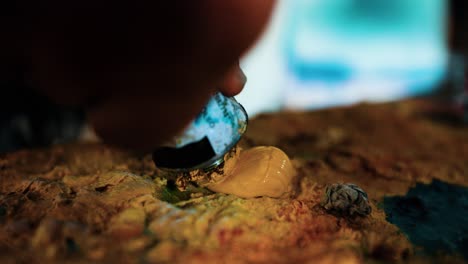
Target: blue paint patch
433	216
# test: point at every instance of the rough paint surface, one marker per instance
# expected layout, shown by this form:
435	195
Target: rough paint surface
91	203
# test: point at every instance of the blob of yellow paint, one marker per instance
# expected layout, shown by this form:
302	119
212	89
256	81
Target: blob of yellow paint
259	171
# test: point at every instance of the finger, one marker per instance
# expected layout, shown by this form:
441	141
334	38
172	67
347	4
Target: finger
144	121
142	72
77	50
234	82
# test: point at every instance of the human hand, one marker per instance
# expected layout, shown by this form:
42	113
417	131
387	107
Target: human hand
141	72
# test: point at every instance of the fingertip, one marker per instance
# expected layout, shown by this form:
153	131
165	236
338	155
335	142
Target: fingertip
234	82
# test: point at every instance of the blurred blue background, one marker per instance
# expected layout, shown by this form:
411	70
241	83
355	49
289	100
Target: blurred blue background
322	53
